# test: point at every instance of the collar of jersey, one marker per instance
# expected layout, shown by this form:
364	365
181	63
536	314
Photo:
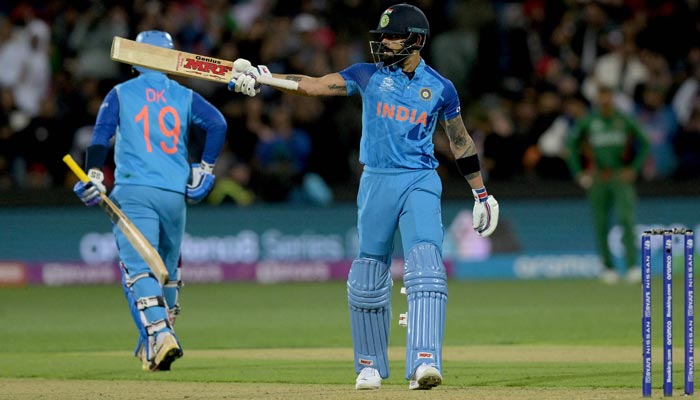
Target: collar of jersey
151	74
394	70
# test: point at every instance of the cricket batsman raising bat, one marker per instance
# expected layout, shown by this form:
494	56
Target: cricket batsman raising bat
403	100
149	119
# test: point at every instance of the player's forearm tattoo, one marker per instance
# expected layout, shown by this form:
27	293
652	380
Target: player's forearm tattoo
293	78
460	141
338	88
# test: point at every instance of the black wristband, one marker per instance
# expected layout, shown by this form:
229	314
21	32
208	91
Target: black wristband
95	156
468	165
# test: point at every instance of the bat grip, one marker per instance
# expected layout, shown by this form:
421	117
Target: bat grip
75	168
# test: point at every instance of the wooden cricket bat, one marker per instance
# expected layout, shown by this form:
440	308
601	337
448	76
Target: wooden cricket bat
135	237
182	63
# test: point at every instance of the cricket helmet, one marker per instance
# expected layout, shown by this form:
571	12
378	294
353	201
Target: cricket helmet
399	21
155	38
402	19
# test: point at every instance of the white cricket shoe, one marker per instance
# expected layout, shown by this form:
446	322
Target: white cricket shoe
634	275
368	378
426	377
610	277
167	351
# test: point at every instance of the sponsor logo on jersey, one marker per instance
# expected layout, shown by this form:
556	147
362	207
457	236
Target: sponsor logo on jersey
400	113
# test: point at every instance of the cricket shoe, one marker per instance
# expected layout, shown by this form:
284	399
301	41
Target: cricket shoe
167	351
146	364
368	379
426	377
610	277
634	275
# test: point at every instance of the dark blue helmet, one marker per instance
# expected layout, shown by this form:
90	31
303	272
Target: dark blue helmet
402	21
155	38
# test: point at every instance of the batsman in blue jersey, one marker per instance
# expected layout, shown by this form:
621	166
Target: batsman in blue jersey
149	118
403	100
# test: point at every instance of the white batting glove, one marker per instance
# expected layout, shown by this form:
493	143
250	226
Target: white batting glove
245	80
242	65
97	177
89	192
485	213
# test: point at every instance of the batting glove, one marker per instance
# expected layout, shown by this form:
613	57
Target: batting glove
201	182
485	213
245	80
89	192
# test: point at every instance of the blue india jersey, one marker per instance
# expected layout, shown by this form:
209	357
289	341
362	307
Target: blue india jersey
399	115
151	116
151	142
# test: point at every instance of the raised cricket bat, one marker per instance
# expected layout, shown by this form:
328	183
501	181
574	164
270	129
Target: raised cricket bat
135	237
185	64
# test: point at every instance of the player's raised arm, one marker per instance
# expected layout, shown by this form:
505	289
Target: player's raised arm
247	81
328	85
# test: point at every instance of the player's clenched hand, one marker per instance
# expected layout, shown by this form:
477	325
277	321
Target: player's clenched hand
246	84
245	79
585	180
89	192
201	182
485	214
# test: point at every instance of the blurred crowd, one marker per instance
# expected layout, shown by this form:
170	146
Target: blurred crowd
525	71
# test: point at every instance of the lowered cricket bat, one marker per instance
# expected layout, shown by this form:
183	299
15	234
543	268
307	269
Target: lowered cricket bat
135	237
185	64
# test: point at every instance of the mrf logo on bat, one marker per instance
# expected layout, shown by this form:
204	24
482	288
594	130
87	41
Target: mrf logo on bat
203	65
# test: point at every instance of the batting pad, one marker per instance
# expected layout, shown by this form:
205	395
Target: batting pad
426	287
135	315
171	292
147	305
369	299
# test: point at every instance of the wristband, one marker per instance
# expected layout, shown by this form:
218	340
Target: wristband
206	167
480	194
468	165
96	175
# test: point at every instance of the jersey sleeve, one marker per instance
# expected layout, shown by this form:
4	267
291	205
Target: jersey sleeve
105	127
357	77
209	118
451	99
107	119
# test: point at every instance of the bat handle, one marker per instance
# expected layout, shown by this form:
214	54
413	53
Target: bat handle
75	168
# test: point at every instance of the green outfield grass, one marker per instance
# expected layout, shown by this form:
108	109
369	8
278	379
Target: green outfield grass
520	340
